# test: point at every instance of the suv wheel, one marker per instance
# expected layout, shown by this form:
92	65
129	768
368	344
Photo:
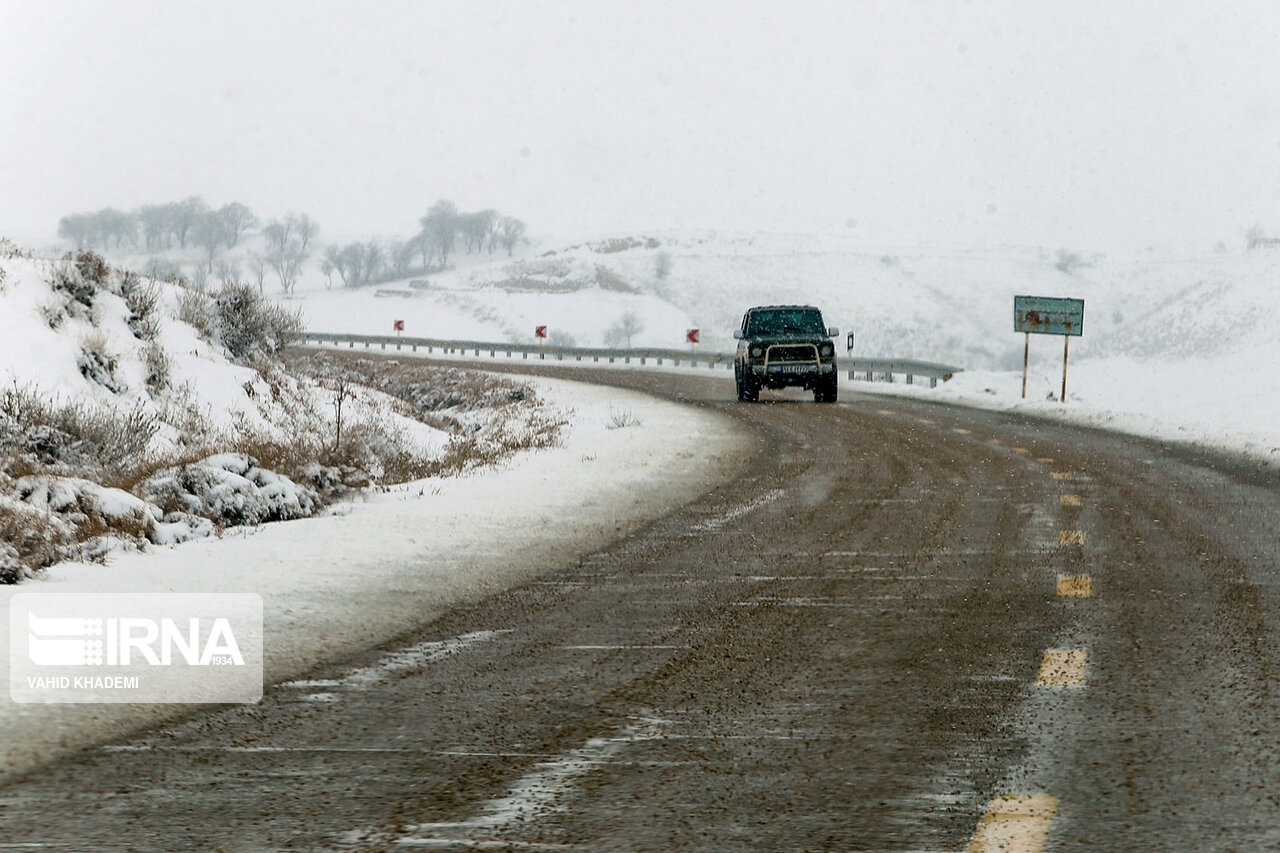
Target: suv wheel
748	390
827	391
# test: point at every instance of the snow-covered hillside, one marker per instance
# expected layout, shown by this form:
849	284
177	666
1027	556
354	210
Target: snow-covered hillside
134	411
1172	337
1187	343
947	304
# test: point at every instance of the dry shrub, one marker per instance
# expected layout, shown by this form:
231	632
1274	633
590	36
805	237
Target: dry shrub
143	301
30	540
86	438
490	417
196	310
92	267
68	282
158	367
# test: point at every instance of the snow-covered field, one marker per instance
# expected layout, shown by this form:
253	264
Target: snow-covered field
1184	346
368	571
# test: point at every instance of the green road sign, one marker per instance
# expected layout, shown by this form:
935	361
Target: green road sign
1047	315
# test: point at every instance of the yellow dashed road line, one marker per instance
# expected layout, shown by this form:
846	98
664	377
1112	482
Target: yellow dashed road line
1015	824
1022	450
1070	500
1070	537
1075	586
995	442
961	431
923	421
1061	475
1062	668
1046	460
886	411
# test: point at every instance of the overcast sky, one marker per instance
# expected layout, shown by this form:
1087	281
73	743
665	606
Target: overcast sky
1091	125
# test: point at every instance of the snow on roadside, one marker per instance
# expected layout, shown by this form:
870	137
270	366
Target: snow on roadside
1227	402
335	584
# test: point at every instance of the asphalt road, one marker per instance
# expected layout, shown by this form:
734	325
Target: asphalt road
902	627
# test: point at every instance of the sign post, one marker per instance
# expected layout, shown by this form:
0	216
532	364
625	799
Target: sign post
1047	315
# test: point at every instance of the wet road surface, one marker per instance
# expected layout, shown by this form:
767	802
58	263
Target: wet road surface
901	627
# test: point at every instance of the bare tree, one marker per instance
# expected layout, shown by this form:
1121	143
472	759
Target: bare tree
305	228
209	232
476	227
335	257
237	219
156	225
287	263
258	266
185	214
78	228
624	329
424	246
340	385
111	224
510	233
374	260
278	233
400	257
327	267
441	226
352	260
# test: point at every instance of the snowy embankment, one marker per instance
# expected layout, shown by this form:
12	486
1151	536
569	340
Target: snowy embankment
371	570
1223	403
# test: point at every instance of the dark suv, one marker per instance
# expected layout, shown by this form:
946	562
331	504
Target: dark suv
782	345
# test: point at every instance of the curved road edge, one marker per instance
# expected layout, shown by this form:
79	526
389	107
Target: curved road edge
341	584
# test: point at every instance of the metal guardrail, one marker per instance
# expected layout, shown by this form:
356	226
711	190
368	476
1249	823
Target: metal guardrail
869	369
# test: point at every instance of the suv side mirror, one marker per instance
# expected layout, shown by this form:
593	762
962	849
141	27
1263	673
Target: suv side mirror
737	334
832	332
849	342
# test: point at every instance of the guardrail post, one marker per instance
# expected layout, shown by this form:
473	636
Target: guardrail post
910	379
933	382
626	360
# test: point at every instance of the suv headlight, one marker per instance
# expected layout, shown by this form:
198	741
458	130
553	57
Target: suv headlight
756	352
827	350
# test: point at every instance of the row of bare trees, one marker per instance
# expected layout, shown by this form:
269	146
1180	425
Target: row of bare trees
160	226
287	240
443	228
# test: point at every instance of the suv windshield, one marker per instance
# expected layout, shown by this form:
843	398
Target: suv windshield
781	321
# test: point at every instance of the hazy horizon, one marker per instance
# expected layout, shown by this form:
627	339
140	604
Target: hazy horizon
1085	124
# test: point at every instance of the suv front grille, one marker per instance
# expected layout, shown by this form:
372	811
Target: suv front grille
794	352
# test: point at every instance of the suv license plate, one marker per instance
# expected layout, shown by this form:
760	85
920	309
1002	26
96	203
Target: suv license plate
796	368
